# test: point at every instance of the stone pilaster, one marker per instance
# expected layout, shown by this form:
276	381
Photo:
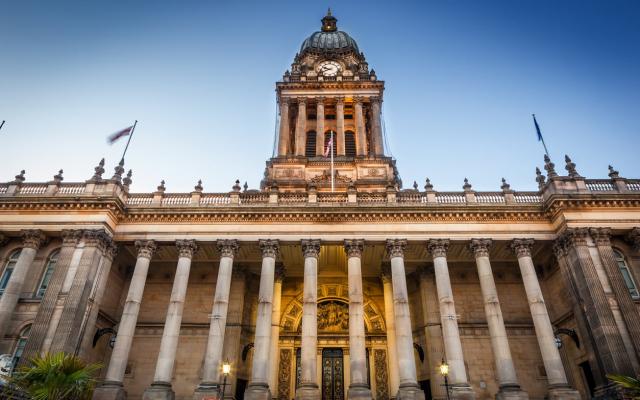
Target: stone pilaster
258	388
301	126
408	388
285	130
389	317
275	330
361	134
460	387
112	388
210	384
320	127
558	385
340	126
161	389
233	333
358	387
509	387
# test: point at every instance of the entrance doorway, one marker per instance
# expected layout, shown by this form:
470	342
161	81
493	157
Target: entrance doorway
332	374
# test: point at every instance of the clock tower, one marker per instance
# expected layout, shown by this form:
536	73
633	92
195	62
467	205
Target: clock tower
330	101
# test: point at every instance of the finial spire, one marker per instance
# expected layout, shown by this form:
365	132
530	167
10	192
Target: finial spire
329	22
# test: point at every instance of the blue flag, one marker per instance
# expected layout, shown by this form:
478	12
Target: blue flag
537	129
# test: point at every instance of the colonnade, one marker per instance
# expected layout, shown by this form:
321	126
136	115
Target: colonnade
301	125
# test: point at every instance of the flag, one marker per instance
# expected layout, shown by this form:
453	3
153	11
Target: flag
537	129
114	137
329	146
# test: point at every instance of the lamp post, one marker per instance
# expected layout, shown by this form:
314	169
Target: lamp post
444	371
226	369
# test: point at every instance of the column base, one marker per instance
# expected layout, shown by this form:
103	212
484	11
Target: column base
159	391
462	392
564	393
257	391
511	392
110	390
207	391
308	391
410	392
359	392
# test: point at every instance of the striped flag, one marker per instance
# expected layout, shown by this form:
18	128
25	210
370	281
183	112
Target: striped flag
114	137
329	146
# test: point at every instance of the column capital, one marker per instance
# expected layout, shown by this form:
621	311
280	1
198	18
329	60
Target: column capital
375	99
71	237
32	238
310	248
576	236
602	236
227	247
559	248
186	248
320	100
354	247
339	100
269	247
280	272
438	247
522	247
480	247
358	99
634	238
395	247
96	238
284	101
146	248
111	251
302	101
385	274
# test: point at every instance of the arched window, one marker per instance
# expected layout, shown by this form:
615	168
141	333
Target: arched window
48	271
8	269
310	147
350	144
327	137
626	274
22	342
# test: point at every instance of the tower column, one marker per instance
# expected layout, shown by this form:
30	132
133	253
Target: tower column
361	134
210	383
308	389
31	241
376	127
453	346
275	331
160	389
558	385
505	370
258	388
301	126
408	388
340	126
112	389
320	126
283	135
389	318
358	388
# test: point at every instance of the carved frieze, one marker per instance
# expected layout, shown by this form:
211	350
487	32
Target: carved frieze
333	316
382	377
284	374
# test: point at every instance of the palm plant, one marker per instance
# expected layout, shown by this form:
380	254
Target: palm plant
57	376
627	382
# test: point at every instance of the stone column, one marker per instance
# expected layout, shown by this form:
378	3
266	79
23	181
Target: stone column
301	126
408	388
275	331
233	333
210	384
285	130
361	134
376	127
460	387
308	389
31	241
558	385
112	388
320	127
340	126
509	387
161	389
258	388
389	317
358	387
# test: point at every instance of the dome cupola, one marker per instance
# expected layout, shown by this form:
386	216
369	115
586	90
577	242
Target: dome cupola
329	39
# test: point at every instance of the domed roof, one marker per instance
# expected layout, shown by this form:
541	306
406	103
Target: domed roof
329	39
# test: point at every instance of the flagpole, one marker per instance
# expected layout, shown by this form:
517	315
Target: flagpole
2	124
129	140
331	150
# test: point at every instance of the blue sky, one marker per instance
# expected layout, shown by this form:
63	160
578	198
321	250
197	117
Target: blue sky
462	79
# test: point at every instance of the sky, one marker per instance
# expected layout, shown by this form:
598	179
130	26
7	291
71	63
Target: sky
462	80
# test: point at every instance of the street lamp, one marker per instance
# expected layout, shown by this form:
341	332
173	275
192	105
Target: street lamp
444	371
226	369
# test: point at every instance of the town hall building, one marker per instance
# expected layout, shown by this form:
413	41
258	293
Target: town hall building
331	281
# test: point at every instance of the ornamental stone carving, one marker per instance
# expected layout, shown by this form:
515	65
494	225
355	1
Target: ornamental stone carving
438	247
354	248
480	247
227	247
522	247
146	248
333	316
576	236
71	237
310	248
269	248
634	238
601	236
395	247
111	251
284	374
96	238
382	377
186	248
559	248
32	238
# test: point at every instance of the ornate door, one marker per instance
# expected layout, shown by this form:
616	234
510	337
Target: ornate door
332	374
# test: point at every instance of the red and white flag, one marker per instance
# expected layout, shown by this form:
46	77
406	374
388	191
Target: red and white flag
114	137
329	147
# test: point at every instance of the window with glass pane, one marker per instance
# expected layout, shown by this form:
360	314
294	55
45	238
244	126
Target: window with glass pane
48	271
8	270
626	275
22	342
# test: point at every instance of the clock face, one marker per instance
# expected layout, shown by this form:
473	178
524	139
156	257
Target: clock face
328	68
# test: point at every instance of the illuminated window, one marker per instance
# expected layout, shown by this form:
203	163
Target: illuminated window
8	270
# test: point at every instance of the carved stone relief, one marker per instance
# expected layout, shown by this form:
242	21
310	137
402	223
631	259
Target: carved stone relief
284	374
380	365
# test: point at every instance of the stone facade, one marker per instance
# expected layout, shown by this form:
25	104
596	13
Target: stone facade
307	292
